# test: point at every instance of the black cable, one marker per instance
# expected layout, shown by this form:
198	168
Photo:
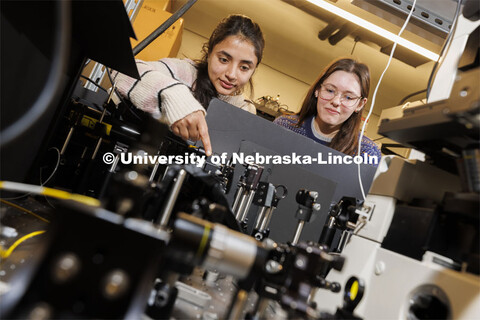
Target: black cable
109	74
91	81
411	95
444	48
164	26
53	84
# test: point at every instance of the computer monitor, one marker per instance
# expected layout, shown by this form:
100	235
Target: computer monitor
233	130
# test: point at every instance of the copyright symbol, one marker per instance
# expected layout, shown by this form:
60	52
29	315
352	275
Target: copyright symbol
108	158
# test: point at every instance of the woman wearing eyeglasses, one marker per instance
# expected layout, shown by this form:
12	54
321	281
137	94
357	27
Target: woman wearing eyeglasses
331	112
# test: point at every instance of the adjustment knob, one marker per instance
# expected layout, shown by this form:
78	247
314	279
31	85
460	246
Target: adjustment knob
427	306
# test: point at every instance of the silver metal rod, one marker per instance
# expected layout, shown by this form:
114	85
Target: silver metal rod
103	113
115	163
331	222
351	225
266	219
345	237
238	305
245	210
262	307
164	174
236	202
67	140
172	197
112	91
243	202
154	172
260	217
312	294
84	153
118	150
298	232
99	142
155	167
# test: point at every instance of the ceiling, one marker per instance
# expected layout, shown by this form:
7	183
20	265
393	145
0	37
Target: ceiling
291	30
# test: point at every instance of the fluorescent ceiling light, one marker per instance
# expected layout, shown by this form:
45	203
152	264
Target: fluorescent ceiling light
375	29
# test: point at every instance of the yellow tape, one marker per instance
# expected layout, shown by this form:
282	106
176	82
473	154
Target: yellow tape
90	122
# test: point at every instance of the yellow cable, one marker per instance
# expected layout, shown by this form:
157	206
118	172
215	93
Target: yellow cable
6	253
24	210
59	194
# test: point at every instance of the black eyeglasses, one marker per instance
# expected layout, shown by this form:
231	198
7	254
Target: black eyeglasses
328	92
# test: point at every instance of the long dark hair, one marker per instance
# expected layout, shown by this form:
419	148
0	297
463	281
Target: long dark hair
233	25
346	139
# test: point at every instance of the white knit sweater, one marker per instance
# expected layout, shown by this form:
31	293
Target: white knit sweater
169	81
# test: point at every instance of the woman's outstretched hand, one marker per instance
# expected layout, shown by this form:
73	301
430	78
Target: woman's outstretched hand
194	127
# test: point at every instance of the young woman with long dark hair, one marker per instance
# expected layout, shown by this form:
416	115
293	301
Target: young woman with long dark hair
331	112
179	90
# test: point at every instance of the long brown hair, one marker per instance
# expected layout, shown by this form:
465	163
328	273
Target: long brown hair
233	25
346	139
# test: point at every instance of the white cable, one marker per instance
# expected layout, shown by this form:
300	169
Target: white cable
55	193
41	183
375	95
51	175
54	170
21	187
